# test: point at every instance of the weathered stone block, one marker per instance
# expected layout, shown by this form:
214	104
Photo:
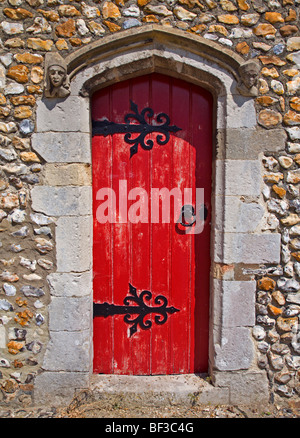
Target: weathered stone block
240	112
233	215
68	351
72	174
239	144
70	314
60	147
69	115
58	388
74	244
70	284
238	177
244	388
247	248
238	303
62	201
235	351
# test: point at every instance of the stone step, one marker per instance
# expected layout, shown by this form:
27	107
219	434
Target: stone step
173	390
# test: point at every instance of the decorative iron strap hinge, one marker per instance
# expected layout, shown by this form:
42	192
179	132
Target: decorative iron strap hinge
143	128
141	309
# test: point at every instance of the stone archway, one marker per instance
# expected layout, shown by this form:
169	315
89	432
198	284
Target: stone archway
63	140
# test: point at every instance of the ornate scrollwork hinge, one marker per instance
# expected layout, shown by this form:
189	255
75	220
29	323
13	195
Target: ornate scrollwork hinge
140	308
143	128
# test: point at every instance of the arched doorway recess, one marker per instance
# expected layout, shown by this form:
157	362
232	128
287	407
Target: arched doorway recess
63	139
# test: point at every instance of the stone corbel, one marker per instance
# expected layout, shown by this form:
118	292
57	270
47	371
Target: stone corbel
249	73
56	78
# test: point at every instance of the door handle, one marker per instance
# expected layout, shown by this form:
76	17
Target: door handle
188	216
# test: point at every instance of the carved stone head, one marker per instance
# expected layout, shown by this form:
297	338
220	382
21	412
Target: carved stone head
56	80
249	72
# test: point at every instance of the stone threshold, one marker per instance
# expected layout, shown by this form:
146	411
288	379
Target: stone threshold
159	390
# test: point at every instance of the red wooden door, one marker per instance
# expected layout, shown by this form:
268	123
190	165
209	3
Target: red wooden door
139	263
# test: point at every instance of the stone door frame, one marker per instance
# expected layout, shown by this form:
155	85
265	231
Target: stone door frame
63	140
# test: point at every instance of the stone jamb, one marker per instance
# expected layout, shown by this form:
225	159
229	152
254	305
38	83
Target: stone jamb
63	138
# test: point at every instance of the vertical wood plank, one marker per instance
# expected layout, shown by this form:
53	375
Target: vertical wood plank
180	273
121	232
102	240
160	245
140	235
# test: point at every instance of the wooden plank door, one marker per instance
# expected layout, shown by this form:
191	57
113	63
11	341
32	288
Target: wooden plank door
151	277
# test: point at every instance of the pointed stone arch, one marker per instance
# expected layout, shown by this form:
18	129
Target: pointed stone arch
153	36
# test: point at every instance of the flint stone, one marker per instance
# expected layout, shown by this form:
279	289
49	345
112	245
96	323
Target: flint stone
28	263
18	334
45	264
183	14
276	361
8	154
265	321
31	291
89	11
158	10
258	333
132	11
22	232
41	219
7	128
296	343
284	390
291	310
26	126
43	245
39	319
287	324
34	346
280	349
241	33
14	88
131	22
264	271
293	362
4	363
262	361
263	347
12	28
6	305
293	298
30	179
9	289
288	285
81	27
293	133
17	216
283	377
43	230
295	203
16	248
